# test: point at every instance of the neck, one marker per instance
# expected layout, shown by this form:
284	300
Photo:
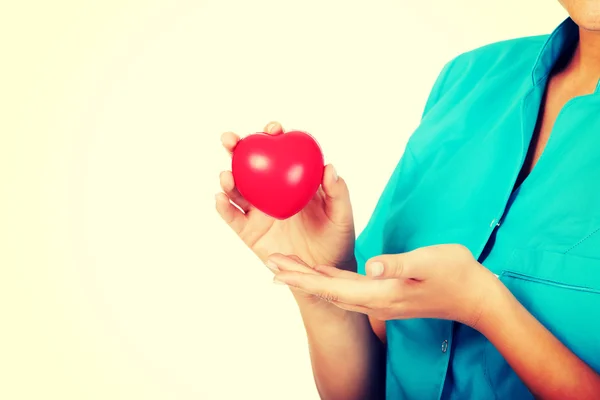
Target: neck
584	66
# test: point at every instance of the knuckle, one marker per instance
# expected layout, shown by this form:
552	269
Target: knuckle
399	268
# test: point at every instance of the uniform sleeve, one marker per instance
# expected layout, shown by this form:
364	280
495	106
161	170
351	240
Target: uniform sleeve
370	241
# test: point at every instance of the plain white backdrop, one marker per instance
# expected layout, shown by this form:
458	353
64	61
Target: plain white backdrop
118	280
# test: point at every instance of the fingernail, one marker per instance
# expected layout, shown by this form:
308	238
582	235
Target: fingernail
278	282
270	127
376	269
335	175
272	266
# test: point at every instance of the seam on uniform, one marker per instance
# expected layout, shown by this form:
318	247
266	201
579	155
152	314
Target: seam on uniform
437	90
412	153
542	52
582	240
538	59
447	68
485	370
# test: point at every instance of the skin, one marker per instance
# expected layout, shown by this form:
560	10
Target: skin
322	233
343	312
578	77
585	13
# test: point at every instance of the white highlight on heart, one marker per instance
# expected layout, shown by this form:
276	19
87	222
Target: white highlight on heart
295	174
259	162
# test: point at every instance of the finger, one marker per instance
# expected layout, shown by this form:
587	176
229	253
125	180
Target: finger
291	263
294	263
353	308
297	259
337	273
228	186
395	266
230	214
337	196
229	141
273	128
350	291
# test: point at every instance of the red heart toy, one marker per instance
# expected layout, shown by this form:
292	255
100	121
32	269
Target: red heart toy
278	174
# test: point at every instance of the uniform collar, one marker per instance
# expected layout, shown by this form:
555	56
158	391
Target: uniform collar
560	41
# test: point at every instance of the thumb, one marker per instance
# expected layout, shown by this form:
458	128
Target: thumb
273	128
337	197
393	266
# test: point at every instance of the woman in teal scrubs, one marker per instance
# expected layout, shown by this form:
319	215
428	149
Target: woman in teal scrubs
478	274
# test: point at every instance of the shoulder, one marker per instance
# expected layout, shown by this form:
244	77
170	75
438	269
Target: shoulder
510	50
512	58
469	84
506	64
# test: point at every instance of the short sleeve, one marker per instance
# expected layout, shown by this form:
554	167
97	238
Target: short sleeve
370	241
438	86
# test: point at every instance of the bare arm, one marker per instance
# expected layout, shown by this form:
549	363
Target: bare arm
348	359
547	367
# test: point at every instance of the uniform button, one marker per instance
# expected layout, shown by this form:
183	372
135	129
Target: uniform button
444	346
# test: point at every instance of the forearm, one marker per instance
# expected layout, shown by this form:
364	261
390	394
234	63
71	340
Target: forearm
347	358
547	367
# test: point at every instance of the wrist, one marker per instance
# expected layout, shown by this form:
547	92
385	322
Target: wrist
316	308
496	302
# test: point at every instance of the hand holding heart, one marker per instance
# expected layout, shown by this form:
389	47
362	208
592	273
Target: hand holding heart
442	282
321	233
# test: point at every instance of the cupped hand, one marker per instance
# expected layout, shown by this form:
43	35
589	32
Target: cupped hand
442	282
322	233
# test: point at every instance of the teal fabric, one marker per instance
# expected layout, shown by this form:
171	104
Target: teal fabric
454	184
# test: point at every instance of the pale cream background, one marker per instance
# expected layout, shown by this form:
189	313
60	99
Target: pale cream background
117	278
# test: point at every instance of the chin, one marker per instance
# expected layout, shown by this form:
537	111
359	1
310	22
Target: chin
588	24
585	13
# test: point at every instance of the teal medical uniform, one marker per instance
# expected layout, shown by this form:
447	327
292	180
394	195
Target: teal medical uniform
454	184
